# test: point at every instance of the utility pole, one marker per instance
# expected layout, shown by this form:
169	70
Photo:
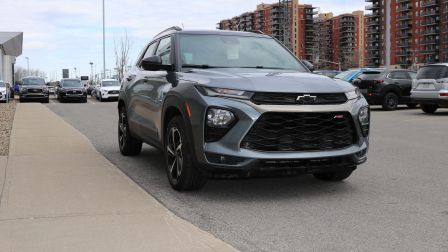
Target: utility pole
104	40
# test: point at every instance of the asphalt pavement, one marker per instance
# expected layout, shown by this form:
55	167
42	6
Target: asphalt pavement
398	201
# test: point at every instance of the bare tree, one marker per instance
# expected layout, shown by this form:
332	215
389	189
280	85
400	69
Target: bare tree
21	72
122	55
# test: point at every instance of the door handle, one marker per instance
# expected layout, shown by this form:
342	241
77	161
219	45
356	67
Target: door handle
130	77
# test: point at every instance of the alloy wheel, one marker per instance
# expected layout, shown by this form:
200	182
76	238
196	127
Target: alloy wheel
122	128
174	153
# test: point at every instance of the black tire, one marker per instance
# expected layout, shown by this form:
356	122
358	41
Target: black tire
84	100
335	176
390	101
101	98
429	108
129	145
411	105
61	100
182	172
21	100
46	100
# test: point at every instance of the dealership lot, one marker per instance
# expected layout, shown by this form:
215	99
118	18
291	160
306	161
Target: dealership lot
397	200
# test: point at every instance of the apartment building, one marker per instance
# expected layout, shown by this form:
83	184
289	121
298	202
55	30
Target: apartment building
406	33
288	21
340	40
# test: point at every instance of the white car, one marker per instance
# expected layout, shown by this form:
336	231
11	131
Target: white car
108	89
4	92
430	89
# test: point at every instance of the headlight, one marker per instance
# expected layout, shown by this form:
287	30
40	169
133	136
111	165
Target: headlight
352	95
232	93
23	90
364	120
219	118
45	89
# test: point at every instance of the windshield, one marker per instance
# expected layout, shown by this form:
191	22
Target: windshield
110	83
235	52
433	72
346	75
33	81
71	83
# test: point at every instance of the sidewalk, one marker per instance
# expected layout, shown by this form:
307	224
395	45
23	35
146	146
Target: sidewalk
60	194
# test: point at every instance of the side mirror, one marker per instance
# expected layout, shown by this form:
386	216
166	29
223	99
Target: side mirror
308	65
154	63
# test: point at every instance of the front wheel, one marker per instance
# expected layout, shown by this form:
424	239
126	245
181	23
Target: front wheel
429	108
129	145
335	176
182	173
390	101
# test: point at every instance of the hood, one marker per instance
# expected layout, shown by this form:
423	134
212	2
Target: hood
2	89
263	80
114	88
34	86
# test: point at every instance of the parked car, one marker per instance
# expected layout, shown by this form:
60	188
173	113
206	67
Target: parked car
73	90
108	89
352	74
4	92
32	89
388	87
430	89
51	88
328	73
223	103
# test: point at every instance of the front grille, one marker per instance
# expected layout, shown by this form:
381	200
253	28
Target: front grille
113	92
263	98
307	163
34	90
301	132
74	92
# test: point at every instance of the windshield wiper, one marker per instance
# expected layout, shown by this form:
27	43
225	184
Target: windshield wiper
264	67
204	66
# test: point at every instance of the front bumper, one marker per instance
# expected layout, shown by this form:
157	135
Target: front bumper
74	96
227	155
34	96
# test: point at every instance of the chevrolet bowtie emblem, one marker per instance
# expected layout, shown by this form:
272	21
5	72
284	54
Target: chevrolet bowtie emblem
306	99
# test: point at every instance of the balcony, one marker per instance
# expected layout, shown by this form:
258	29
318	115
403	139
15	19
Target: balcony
430	32
404	8
429	3
429	13
404	17
373	7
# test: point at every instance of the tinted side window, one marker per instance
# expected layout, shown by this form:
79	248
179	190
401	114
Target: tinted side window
413	75
150	51
399	75
433	72
164	50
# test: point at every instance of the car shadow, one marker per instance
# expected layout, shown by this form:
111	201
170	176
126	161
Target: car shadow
148	171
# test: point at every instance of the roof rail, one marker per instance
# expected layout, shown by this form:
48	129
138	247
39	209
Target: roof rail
174	28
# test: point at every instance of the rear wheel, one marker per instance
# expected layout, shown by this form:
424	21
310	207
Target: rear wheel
181	170
429	108
390	101
335	176
129	145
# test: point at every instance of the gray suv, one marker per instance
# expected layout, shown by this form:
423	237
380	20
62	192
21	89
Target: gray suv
34	89
235	104
430	89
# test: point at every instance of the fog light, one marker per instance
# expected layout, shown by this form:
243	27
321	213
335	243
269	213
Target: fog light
364	120
219	118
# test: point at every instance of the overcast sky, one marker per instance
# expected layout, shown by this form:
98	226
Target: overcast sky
68	33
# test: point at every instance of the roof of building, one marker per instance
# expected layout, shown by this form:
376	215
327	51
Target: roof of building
11	43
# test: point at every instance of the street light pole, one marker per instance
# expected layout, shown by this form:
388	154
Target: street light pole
91	71
104	40
28	63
